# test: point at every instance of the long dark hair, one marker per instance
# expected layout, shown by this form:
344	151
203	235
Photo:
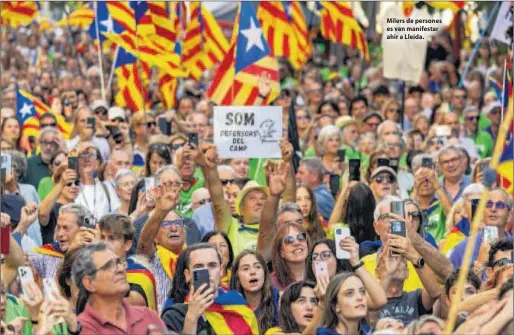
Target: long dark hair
18	141
360	206
160	149
291	294
64	272
134	196
179	285
315	229
208	236
280	267
342	265
266	310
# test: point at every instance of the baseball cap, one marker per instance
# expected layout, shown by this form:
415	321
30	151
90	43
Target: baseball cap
12	205
381	169
115	112
99	104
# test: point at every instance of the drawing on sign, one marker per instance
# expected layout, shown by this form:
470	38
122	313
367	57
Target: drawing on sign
267	131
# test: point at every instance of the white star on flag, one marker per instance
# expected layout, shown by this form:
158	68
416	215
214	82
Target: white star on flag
26	109
108	24
254	36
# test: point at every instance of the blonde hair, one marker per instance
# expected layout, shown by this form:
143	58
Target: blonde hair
415	326
458	205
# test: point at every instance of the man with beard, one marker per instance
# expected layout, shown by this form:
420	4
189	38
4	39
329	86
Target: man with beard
37	166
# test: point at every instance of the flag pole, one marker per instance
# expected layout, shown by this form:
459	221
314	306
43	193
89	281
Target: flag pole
477	219
100	62
477	45
140	70
113	67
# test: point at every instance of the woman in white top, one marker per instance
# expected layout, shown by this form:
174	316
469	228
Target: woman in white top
93	194
125	181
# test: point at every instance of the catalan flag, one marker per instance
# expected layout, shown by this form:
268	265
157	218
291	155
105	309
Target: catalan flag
51	249
19	13
168	89
45	24
166	32
236	80
131	17
506	167
230	314
82	17
507	86
28	111
104	20
204	44
139	275
339	25
496	86
131	82
285	29
455	6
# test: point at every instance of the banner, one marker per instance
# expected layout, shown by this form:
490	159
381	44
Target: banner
248	132
503	23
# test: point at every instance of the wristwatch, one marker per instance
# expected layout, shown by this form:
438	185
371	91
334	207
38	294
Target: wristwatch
420	263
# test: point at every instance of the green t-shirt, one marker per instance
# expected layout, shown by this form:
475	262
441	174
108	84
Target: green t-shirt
46	185
484	143
350	153
14	309
310	152
242	236
256	170
436	220
184	207
483	122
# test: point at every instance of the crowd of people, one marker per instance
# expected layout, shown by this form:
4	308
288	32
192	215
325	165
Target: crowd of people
118	242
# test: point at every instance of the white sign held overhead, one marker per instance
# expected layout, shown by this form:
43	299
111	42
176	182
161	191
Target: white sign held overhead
248	131
503	23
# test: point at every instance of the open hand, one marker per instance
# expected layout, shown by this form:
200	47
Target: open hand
200	300
276	173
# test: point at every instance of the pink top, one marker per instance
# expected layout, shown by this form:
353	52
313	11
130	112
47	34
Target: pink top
138	320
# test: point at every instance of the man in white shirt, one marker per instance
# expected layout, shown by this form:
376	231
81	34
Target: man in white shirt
86	133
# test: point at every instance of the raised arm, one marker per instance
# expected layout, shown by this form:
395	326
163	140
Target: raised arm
206	157
339	210
276	173
443	197
164	204
46	206
289	194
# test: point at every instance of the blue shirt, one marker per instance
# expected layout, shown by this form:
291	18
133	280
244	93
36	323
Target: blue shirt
324	200
464	182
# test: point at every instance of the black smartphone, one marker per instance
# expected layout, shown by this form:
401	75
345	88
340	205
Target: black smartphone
89	222
393	163
341	155
116	135
398	228
192	138
200	277
355	169
427	162
474	206
398	208
73	163
334	184
382	162
165	126
91	123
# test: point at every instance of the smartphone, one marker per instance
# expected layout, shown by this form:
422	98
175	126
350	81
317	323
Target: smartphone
192	138
393	164
6	163
398	228
427	162
398	208
474	206
26	277
321	269
200	277
340	232
382	162
148	186
5	240
165	126
91	122
490	234
355	169
49	288
116	135
89	222
341	154
73	163
334	184
443	131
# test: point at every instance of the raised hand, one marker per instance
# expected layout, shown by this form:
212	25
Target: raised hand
29	213
264	84
348	244
321	287
33	299
165	200
5	220
200	300
276	173
286	148
68	177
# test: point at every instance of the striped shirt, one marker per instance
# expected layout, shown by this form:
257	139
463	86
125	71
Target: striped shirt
163	282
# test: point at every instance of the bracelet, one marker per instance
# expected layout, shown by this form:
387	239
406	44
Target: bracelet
358	266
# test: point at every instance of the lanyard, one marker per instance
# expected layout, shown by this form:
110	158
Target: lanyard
83	192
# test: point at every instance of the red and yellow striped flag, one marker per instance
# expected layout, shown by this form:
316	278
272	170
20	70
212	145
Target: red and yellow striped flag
45	24
285	29
455	6
18	13
230	314
339	25
204	43
139	275
168	90
165	33
82	17
124	15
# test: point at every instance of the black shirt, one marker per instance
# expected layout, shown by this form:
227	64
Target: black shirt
47	232
36	170
175	316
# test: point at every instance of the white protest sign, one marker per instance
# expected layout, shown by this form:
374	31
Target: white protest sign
248	131
503	23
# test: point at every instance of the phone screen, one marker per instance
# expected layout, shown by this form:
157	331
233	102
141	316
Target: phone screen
382	162
341	154
334	184
398	228
91	122
355	167
164	126
427	162
192	138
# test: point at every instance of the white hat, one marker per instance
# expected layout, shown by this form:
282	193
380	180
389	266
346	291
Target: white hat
115	112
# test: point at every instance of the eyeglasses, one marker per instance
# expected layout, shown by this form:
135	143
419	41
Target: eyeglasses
302	117
459	96
497	204
453	160
101	111
47	143
76	183
472	118
119	120
385	178
87	155
435	141
373	124
300	237
127	183
151	124
495	111
177	146
225	182
415	215
45	125
170	186
502	262
112	265
324	255
395	110
167	223
394	145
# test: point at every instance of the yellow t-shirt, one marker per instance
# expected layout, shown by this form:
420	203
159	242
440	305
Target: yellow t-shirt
412	282
242	236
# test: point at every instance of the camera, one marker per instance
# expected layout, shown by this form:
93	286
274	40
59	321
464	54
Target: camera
89	222
338	231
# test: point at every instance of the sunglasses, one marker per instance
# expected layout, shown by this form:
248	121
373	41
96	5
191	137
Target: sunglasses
48	125
167	223
101	111
502	262
119	119
324	255
300	237
415	215
385	178
151	124
436	141
76	183
497	204
177	146
471	118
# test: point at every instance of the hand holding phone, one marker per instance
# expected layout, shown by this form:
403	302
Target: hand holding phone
6	163
334	184
355	169
490	234
321	269
340	233
200	277
192	138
